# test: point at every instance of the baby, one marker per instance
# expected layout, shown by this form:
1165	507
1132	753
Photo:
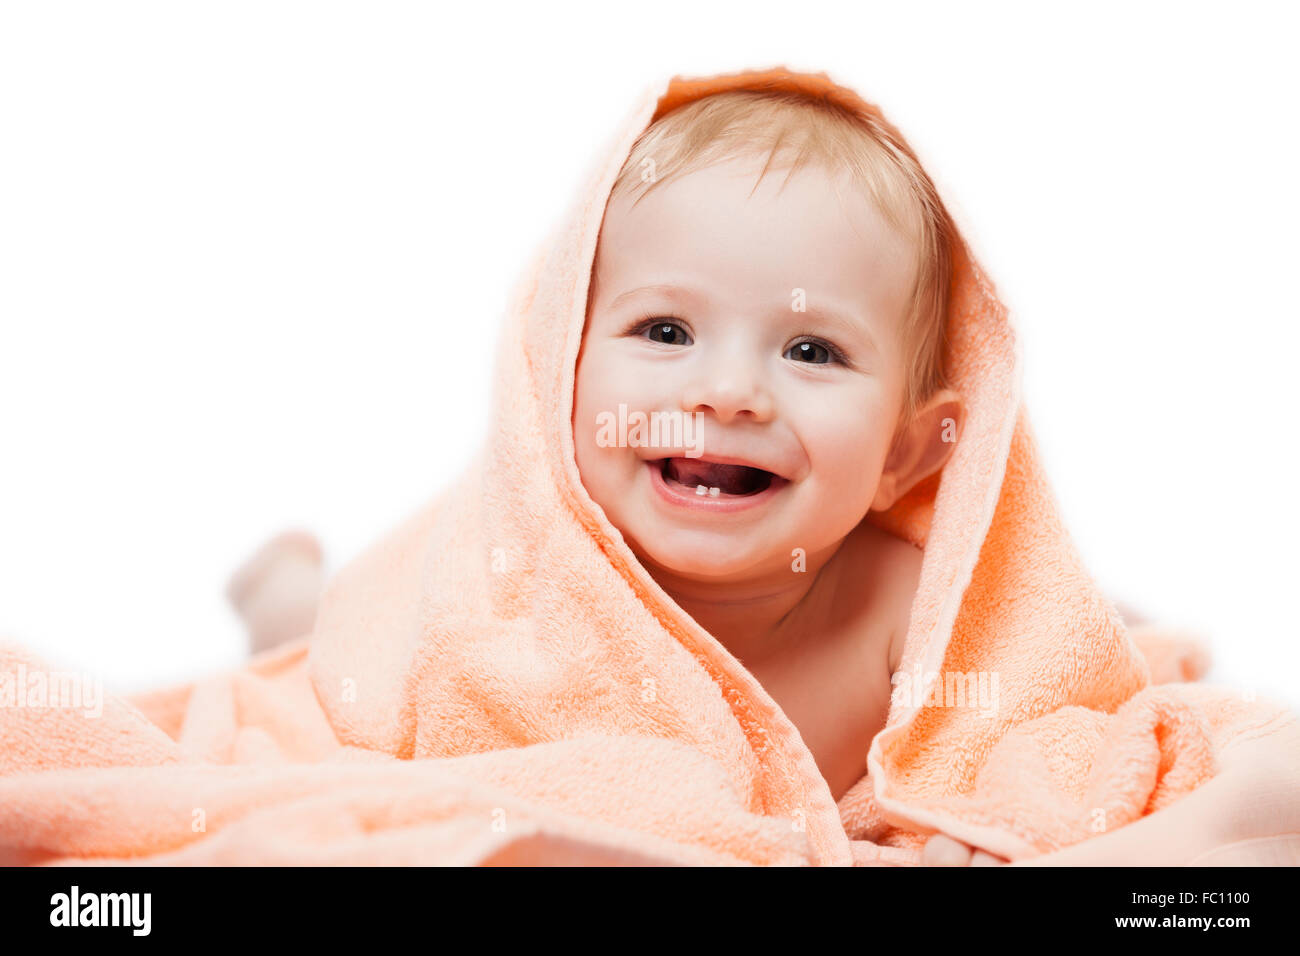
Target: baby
799	320
776	272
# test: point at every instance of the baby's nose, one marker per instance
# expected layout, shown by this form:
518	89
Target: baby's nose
729	393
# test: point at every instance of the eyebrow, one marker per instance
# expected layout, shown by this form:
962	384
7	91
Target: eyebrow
845	322
671	291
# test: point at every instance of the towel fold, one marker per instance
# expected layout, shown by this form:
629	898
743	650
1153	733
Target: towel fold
497	680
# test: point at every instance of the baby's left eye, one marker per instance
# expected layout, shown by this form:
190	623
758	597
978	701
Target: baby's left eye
811	352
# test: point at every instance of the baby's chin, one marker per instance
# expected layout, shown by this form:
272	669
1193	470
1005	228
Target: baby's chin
707	556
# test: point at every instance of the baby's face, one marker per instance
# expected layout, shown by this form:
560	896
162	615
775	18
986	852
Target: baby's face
741	282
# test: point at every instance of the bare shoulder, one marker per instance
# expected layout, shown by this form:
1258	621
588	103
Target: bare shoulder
897	565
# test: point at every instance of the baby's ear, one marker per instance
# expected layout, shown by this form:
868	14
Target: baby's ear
921	447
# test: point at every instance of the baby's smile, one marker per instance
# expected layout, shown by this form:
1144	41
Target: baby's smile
713	486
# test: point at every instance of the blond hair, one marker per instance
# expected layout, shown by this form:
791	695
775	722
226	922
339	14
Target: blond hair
736	123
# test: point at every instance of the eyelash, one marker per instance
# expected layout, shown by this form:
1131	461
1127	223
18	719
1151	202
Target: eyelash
641	325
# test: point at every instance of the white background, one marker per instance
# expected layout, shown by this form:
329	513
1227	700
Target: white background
253	259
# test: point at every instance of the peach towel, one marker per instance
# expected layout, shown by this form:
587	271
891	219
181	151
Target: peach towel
498	681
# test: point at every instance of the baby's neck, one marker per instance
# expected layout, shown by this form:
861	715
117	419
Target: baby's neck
757	618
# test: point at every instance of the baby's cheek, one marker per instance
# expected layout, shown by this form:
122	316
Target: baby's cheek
603	458
596	387
585	402
590	388
848	459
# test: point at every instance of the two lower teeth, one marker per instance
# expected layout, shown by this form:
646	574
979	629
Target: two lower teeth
711	492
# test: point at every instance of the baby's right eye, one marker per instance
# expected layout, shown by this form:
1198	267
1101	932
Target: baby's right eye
671	332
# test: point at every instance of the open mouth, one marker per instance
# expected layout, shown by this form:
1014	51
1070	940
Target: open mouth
713	479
